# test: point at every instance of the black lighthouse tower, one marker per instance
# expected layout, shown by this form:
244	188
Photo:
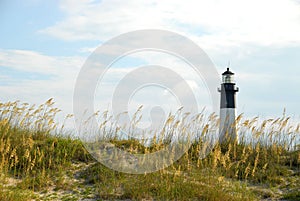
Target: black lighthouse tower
228	107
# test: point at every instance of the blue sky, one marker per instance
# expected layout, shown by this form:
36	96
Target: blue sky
44	44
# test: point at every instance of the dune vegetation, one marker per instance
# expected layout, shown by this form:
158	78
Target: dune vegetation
40	161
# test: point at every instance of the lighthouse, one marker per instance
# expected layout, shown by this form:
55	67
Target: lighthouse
228	108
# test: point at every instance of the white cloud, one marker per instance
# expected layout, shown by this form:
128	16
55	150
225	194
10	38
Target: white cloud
211	23
110	80
34	62
59	76
87	49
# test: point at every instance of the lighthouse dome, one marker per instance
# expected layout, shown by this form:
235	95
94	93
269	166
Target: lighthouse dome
228	72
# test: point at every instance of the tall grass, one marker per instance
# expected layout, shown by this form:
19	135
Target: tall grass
34	150
30	148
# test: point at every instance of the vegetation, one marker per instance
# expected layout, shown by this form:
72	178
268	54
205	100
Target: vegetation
38	161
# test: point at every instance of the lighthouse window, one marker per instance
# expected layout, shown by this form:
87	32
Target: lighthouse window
228	79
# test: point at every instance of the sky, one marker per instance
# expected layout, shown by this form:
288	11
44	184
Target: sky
44	44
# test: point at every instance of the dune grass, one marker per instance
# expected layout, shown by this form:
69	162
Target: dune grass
36	153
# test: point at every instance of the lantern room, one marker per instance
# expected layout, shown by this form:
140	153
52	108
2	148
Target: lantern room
228	76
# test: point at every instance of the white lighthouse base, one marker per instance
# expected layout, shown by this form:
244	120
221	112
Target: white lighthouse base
227	127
